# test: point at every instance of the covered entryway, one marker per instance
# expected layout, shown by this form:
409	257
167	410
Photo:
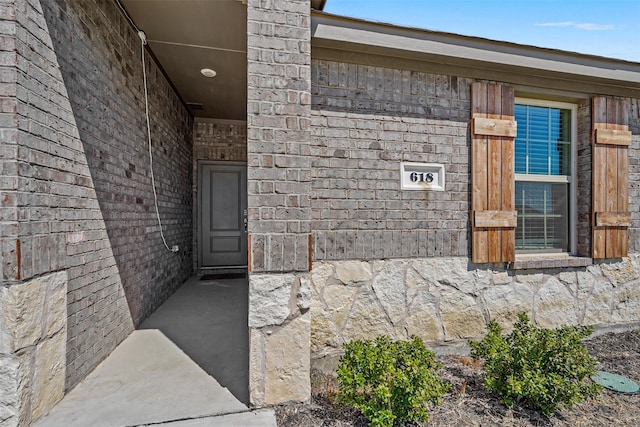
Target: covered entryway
202	48
196	52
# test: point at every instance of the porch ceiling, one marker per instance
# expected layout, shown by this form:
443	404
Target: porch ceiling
189	35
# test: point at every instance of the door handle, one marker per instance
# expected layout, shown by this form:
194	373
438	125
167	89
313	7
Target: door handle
245	221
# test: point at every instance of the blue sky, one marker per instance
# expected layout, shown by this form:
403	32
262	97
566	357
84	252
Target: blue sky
608	28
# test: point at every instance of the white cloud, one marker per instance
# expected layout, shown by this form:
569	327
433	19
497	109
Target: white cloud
556	24
581	26
595	27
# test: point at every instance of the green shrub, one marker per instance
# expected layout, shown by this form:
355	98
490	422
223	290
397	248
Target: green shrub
542	369
389	381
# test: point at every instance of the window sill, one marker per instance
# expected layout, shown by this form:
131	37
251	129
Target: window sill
546	261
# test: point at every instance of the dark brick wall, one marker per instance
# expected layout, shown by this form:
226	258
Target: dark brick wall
634	176
88	203
367	120
583	176
278	109
9	119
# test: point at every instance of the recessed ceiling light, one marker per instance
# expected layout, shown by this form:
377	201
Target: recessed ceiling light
208	72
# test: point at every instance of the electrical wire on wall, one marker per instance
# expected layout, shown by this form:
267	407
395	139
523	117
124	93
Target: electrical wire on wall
143	39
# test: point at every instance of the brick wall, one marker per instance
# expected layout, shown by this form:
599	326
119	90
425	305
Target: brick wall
224	140
634	176
583	175
279	187
365	121
81	195
278	108
219	140
51	217
9	211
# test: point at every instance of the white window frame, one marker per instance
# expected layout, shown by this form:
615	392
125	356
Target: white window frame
571	179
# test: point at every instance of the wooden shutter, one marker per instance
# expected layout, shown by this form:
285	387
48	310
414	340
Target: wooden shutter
493	214
610	171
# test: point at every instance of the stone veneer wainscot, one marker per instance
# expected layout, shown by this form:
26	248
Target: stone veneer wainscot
446	301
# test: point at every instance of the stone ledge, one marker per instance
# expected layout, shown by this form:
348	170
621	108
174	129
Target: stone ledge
542	262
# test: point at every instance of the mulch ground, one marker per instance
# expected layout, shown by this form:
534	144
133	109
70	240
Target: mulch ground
469	404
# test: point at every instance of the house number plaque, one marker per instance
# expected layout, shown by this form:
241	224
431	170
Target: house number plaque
422	176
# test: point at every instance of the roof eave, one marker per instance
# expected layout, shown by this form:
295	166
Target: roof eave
473	57
318	4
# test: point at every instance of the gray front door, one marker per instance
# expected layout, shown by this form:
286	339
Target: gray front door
223	210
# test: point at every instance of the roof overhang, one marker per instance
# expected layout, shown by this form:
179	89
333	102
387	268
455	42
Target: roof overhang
356	41
318	4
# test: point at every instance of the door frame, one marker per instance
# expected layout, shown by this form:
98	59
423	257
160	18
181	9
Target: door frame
202	163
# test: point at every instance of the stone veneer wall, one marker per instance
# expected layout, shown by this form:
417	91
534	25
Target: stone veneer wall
82	260
215	140
446	300
33	342
279	186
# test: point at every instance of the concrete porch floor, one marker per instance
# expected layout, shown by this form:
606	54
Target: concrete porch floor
187	365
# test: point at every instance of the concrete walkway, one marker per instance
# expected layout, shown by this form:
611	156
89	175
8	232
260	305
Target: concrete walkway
208	320
150	380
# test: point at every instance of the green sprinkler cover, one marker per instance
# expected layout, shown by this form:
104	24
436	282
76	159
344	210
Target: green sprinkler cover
615	382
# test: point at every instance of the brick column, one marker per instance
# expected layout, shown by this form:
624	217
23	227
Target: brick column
33	292
279	187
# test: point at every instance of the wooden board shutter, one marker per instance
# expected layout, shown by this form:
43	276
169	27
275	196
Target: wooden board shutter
493	214
610	171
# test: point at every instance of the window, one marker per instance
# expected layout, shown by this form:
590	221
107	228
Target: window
544	176
523	178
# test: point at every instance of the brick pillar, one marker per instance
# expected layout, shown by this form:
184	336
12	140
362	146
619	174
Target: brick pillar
33	317
279	187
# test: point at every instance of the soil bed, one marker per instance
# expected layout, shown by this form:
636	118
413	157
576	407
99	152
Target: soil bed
470	405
